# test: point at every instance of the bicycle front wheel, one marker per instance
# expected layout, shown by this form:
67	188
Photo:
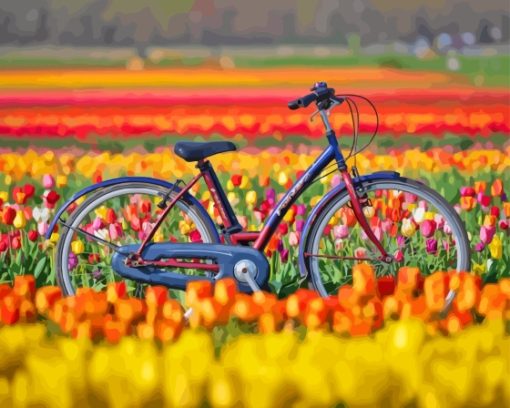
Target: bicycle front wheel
120	215
414	224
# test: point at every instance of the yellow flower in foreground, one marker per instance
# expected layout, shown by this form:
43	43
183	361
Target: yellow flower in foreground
496	248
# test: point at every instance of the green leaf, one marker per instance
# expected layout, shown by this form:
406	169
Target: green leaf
39	267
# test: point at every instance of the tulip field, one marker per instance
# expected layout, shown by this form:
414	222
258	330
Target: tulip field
380	341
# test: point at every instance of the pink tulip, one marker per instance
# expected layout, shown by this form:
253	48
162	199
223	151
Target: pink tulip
401	241
447	229
341	231
42	228
300	209
300	224
386	225
294	238
48	181
335	180
97	224
427	228
439	219
446	245
479	247
410	198
467	192
115	231
486	234
398	255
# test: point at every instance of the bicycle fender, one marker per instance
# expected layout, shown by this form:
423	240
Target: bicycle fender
121	180
324	201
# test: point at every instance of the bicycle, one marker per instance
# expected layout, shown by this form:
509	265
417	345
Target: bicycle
370	218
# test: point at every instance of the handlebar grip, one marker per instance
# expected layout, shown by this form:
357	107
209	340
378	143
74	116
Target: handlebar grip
302	102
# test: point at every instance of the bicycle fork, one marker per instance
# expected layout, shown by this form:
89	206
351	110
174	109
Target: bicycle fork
360	216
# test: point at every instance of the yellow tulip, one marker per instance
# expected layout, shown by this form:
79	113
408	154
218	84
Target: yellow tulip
77	247
408	228
251	198
4	196
54	237
61	180
369	211
496	248
282	178
19	221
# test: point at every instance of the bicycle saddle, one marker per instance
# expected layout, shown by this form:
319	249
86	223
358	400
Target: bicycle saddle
194	151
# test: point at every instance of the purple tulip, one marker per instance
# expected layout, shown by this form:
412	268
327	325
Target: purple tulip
300	224
401	241
72	261
270	195
97	274
284	255
431	246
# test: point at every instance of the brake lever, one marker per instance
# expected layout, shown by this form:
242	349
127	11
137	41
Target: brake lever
328	111
314	115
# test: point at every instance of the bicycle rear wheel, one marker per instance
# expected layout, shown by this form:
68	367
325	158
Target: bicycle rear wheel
120	215
414	224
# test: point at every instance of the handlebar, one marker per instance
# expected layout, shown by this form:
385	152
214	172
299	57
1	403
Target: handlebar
321	94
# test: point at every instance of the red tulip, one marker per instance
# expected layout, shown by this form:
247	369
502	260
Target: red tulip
8	215
51	198
503	224
29	190
32	235
19	195
236	179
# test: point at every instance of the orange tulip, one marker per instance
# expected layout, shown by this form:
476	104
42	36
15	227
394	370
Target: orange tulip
197	290
363	280
225	291
497	188
46	297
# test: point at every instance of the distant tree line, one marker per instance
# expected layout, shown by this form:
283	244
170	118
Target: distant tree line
237	22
